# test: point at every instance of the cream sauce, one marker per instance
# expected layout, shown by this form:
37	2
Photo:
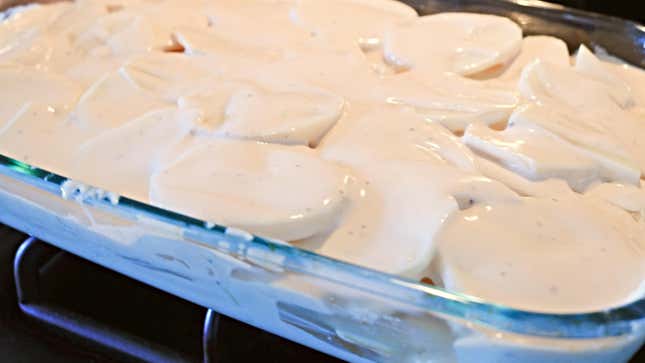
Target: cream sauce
282	192
537	154
123	158
333	125
451	100
595	119
462	43
395	152
530	262
549	49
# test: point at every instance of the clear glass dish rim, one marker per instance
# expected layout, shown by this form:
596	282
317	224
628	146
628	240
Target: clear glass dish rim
619	321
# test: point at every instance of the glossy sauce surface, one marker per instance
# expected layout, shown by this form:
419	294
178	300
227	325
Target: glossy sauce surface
445	145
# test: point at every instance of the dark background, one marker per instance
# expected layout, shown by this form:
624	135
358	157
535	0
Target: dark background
634	9
24	341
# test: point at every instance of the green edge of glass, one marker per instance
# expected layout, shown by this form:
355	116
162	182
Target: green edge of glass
624	320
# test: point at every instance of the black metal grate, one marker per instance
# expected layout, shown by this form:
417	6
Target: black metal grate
81	312
104	316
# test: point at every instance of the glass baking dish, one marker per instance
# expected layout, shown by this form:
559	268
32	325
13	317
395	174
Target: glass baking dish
342	309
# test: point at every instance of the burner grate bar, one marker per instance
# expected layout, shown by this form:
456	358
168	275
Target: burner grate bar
210	335
119	319
33	255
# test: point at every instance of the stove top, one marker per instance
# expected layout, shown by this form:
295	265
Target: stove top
57	307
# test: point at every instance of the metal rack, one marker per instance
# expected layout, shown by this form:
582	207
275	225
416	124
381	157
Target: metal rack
71	299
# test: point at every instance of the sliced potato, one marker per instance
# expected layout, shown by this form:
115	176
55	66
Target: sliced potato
336	21
394	215
121	160
583	111
588	64
393	133
524	254
537	154
546	48
277	191
299	116
463	43
451	100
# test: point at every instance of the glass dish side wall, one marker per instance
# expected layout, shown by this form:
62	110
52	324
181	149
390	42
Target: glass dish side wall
352	313
344	310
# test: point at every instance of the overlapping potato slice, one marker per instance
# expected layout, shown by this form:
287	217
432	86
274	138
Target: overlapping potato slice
237	21
546	48
167	16
583	111
22	85
42	136
589	138
21	32
393	133
211	100
346	73
532	153
284	111
588	64
336	22
34	123
86	39
453	101
116	34
91	38
130	27
143	84
407	183
519	184
122	159
170	76
177	97
87	34
522	254
227	53
629	197
397	208
383	229
463	43
277	191
96	107
537	154
299	116
634	78
67	43
542	82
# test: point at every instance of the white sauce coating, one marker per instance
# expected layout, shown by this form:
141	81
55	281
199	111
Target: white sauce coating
282	192
354	128
462	43
534	47
536	270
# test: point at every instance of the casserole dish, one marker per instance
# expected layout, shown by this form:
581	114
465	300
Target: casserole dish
345	310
